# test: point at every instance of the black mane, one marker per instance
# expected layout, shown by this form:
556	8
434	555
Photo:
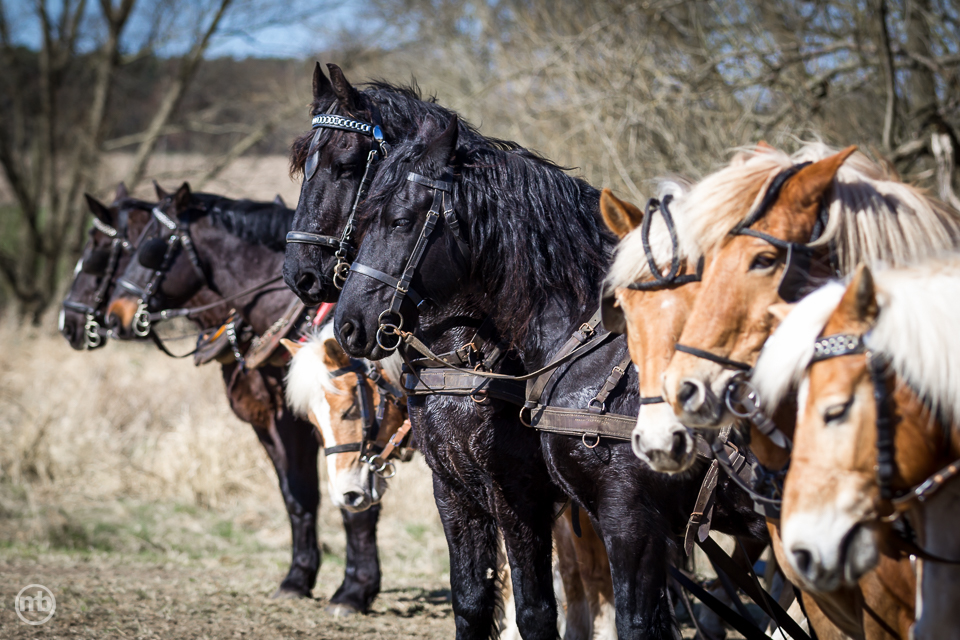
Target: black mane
536	236
264	223
403	109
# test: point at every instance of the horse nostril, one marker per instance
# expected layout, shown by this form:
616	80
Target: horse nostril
679	448
353	498
306	282
804	560
687	395
346	330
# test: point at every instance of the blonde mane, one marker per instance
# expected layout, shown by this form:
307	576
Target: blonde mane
871	215
915	329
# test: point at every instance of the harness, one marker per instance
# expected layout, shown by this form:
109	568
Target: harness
878	366
94	313
344	245
372	454
179	238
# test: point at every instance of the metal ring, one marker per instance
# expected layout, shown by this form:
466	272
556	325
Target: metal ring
382	474
340	273
583	439
396	326
524	422
382	330
91	332
738	406
141	320
601	405
480	398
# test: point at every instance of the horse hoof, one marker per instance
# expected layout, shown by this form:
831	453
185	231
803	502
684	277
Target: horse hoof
340	610
287	593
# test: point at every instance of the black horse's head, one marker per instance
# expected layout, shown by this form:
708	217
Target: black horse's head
164	272
332	159
415	248
108	250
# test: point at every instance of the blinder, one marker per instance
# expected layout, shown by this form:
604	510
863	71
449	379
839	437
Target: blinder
96	263
152	253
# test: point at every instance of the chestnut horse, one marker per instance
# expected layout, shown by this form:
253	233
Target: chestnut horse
878	434
658	438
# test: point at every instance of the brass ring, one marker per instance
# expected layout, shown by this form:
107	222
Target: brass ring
382	330
583	439
524	422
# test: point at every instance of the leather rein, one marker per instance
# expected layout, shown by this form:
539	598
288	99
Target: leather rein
344	243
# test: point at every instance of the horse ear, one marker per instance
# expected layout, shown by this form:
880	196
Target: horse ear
322	89
810	183
859	302
291	346
621	216
442	149
763	147
335	356
121	192
161	192
345	92
99	209
181	199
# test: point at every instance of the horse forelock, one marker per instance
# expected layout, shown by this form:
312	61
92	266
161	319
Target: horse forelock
916	329
787	353
308	377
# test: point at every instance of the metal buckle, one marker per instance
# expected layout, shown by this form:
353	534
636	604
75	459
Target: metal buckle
141	320
583	439
91	332
742	398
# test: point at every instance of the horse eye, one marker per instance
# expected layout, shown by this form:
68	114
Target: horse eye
401	223
763	261
836	412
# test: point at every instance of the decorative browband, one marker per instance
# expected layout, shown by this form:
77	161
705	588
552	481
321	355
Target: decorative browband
104	228
339	122
841	344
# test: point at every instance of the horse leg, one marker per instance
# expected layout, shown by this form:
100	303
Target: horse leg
527	536
361	580
472	544
293	449
595	571
579	610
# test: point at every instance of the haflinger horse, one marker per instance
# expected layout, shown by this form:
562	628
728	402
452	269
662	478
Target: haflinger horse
512	272
110	244
217	261
357	409
655	282
353	131
878	431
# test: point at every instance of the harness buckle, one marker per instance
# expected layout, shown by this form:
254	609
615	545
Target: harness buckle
91	332
141	320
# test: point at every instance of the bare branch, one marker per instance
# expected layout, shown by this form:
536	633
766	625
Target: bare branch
887	57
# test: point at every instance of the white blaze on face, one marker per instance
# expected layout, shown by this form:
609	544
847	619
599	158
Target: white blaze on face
655	436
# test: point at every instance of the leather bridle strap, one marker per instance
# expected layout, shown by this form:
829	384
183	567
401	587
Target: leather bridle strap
706	355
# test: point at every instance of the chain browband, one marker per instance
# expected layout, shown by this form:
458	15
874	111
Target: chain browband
343	244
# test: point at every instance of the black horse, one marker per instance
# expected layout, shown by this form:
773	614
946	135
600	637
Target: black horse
109	247
333	160
239	245
521	244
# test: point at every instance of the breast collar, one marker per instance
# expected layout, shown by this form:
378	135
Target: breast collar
344	243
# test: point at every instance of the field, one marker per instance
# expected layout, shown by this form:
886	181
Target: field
130	490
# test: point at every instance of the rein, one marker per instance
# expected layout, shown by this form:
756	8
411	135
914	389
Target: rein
878	365
343	244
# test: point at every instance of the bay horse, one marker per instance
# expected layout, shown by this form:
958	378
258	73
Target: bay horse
525	249
109	246
237	246
354	131
878	437
649	291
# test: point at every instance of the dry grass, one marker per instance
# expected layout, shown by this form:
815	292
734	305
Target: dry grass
125	477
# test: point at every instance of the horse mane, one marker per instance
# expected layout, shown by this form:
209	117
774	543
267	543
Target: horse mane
308	378
263	223
871	215
402	108
535	233
630	260
914	330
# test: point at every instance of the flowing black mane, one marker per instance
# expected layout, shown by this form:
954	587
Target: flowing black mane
536	236
264	223
402	109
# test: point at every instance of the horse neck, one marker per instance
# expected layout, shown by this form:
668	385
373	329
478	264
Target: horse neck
234	265
924	443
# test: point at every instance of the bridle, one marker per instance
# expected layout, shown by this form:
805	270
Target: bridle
402	288
179	237
370	451
344	245
878	366
94	314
